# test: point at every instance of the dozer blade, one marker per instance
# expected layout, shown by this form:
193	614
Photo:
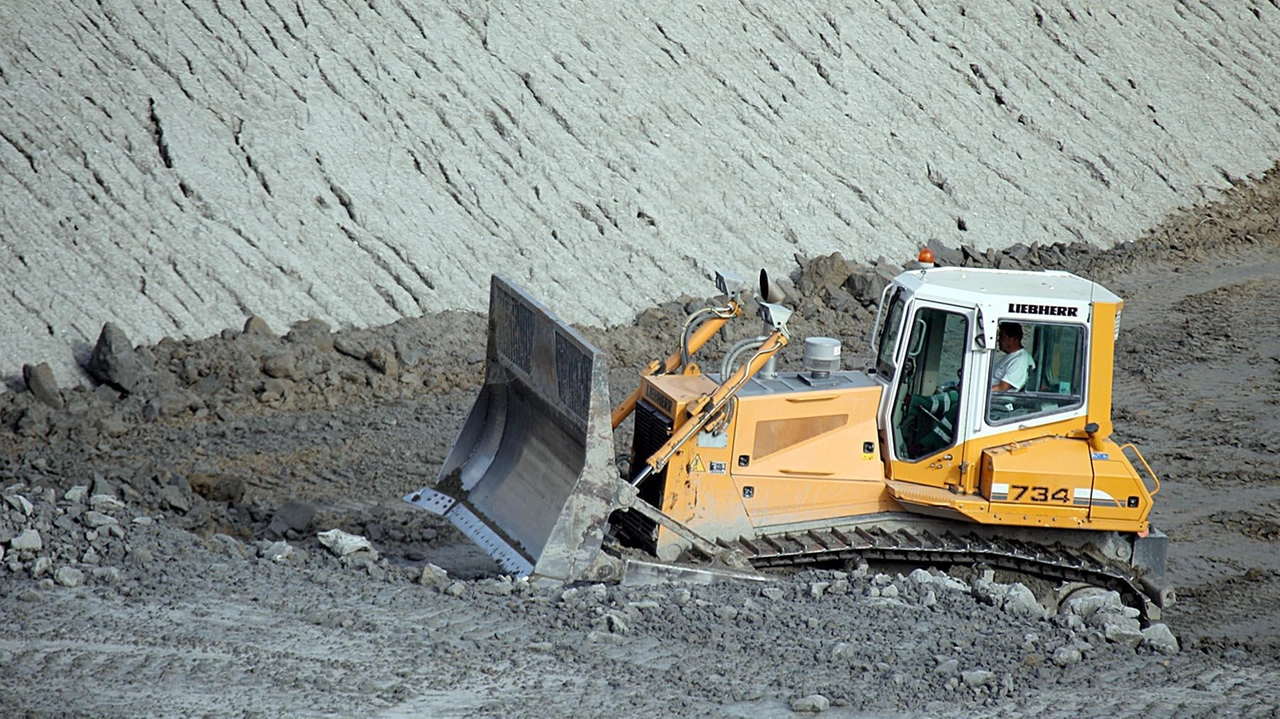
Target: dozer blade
530	477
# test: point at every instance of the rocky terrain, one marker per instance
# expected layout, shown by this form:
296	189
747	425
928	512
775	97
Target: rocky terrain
214	528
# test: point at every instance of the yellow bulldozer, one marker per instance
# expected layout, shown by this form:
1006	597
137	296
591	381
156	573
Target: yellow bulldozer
979	435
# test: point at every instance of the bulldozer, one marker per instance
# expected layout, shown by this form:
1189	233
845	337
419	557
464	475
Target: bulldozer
919	458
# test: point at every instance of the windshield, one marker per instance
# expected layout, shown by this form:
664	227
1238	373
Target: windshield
887	333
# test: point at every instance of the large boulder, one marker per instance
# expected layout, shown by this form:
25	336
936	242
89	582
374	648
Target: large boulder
114	362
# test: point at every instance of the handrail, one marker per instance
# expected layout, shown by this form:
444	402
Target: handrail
1143	460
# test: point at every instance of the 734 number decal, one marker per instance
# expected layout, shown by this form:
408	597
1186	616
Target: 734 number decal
1038	494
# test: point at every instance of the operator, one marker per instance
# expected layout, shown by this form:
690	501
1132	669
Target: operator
1010	373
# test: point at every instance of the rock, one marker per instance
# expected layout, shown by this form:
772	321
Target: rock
945	256
865	284
171	403
945	581
989	592
810	704
312	333
274	389
1062	656
105	502
20	503
343	544
457	589
76	494
281	366
140	557
384	362
258	327
433	576
113	425
40	381
94	520
772	593
823	274
34	421
68	576
176	498
615	624
217	488
295	515
1124	631
1088	602
350	347
977	677
1021	601
27	540
276	551
497	587
598	637
114	362
1160	638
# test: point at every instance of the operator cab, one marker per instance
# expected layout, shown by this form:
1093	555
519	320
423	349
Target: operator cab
935	345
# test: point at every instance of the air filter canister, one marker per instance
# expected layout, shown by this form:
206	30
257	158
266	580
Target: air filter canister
821	356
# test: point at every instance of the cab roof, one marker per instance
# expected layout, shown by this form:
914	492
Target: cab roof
980	286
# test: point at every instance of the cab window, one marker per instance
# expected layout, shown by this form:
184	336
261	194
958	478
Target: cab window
1040	374
888	336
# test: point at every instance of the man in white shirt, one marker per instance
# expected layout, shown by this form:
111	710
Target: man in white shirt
1010	373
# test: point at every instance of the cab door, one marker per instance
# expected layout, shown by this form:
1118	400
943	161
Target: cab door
923	423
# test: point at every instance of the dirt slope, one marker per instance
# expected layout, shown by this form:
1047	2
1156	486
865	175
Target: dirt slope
177	167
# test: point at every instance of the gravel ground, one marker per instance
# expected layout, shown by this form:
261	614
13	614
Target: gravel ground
162	532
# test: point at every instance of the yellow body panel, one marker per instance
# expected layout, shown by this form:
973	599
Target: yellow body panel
812	434
1118	492
1104	327
784	501
1043	482
1035	482
943	468
785	459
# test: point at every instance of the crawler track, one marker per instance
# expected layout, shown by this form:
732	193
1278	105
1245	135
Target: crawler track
925	548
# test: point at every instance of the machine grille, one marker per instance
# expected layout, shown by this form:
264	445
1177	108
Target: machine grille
652	430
